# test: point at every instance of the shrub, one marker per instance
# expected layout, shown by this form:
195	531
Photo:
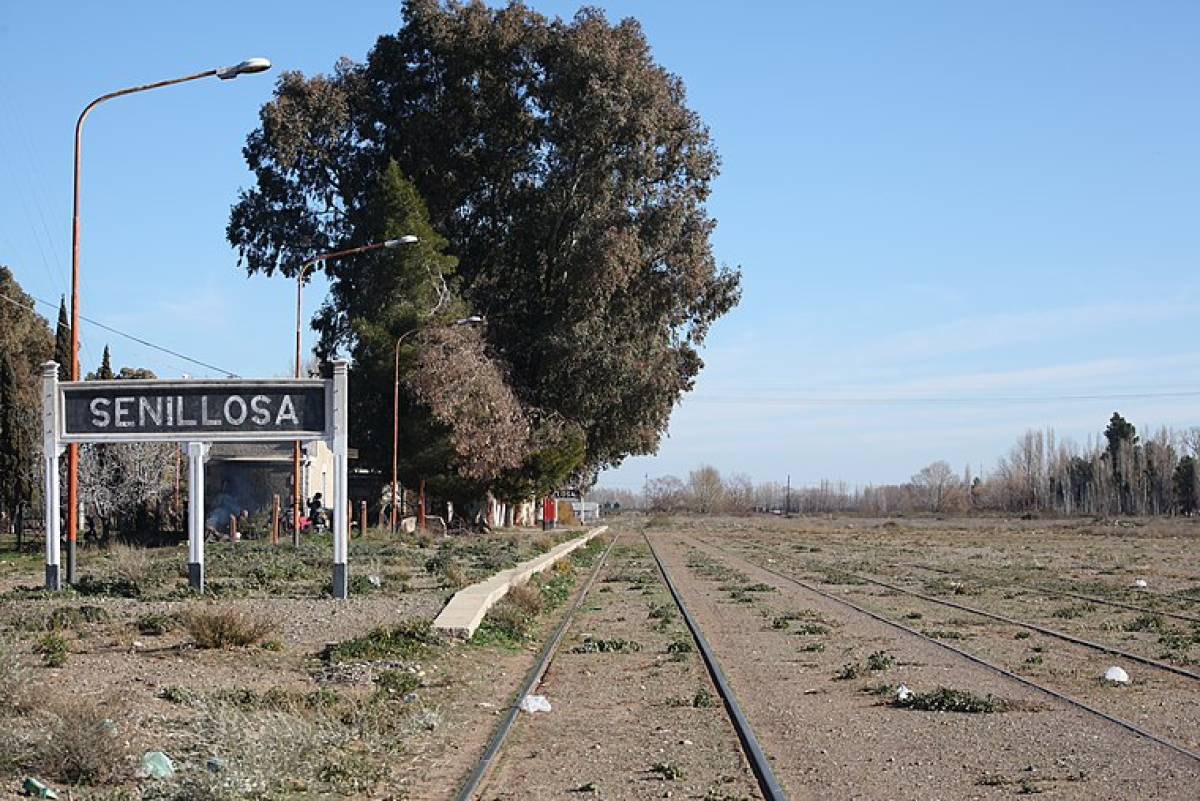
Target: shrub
526	597
81	744
158	623
74	617
405	640
226	628
54	649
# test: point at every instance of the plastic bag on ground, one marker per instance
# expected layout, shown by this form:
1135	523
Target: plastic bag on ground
535	703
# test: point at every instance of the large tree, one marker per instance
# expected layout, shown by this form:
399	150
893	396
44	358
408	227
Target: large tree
567	175
25	344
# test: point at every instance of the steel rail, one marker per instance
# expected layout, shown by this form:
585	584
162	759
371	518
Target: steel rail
479	772
1051	591
759	763
1108	649
1050	691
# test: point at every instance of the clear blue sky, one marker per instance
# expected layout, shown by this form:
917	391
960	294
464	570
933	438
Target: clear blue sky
956	221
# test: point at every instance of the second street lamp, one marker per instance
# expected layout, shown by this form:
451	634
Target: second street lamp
472	320
247	67
305	268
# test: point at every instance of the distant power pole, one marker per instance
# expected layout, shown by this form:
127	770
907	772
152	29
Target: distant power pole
787	506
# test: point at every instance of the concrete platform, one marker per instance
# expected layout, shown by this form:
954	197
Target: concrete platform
466	609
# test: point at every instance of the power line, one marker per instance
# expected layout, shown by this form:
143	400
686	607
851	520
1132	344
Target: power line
934	400
130	337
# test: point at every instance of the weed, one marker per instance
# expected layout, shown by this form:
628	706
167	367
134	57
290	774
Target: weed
665	613
406	640
397	682
226	628
67	617
54	649
176	695
913	616
941	634
667	770
679	649
812	628
880	660
158	623
945	699
813	648
506	624
702	699
1148	621
113	587
1023	635
849	671
1073	611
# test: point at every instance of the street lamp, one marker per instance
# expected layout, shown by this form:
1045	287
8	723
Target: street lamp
472	320
247	67
390	244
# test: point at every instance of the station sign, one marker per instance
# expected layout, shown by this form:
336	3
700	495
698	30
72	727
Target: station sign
208	410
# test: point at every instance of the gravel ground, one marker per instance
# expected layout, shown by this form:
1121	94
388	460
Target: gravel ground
641	723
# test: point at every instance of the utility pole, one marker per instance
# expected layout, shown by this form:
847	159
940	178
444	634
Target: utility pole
787	506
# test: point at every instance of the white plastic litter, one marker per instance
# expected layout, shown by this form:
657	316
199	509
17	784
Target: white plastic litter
903	693
1141	584
535	703
1116	675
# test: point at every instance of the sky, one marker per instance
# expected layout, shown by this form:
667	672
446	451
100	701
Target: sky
955	222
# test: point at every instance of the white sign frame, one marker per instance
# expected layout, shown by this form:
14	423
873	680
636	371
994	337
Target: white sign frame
198	436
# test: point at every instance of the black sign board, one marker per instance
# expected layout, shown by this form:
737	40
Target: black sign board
193	410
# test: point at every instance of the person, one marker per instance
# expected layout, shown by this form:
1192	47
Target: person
316	514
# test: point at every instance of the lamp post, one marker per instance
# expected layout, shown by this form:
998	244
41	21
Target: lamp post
472	320
247	67
390	244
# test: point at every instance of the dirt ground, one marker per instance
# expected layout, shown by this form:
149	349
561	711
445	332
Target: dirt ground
278	720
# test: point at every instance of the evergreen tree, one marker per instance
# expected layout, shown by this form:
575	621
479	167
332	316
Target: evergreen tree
62	343
1185	487
105	373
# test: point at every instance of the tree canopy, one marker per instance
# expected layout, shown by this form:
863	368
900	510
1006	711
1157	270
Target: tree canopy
25	344
565	178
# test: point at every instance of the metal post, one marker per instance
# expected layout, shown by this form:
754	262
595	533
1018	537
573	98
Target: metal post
197	455
341	476
51	450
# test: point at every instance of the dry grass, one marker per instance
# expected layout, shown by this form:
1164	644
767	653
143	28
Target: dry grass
226	628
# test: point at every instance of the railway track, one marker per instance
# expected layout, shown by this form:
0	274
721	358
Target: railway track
483	781
783	720
894	620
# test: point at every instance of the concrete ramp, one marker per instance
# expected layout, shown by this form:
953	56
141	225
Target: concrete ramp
466	609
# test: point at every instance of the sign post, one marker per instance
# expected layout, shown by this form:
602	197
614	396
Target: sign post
52	449
198	413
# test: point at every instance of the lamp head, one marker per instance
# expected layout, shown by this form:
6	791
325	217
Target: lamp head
407	239
247	67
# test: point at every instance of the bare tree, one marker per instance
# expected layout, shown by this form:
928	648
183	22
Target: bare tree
739	494
665	494
706	491
936	488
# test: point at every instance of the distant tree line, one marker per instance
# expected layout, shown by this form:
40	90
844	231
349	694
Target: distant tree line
1118	474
